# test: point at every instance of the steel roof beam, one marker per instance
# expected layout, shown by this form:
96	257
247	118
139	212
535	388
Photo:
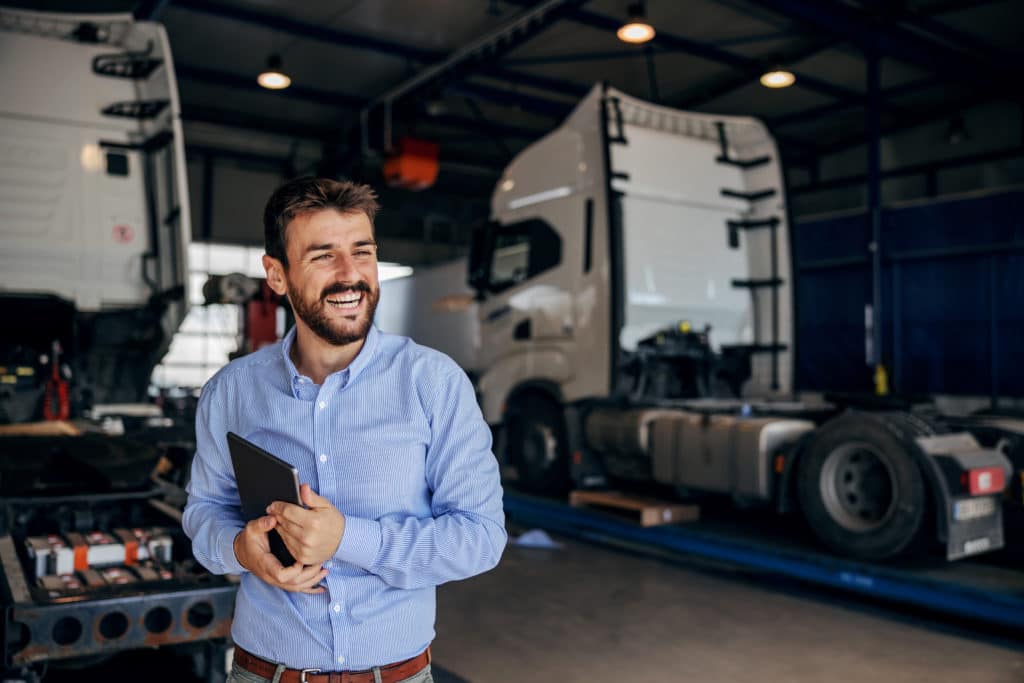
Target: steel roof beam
351	103
733	83
919	118
537	105
149	10
867	30
911	170
360	41
749	65
215	77
845	105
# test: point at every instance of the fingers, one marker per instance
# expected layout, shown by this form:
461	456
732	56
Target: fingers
308	580
291	527
310	498
287	512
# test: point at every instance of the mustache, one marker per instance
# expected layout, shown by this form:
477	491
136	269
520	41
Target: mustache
341	288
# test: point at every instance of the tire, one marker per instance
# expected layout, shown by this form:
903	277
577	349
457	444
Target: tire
860	489
537	446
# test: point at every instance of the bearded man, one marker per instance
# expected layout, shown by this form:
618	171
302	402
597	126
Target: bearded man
400	488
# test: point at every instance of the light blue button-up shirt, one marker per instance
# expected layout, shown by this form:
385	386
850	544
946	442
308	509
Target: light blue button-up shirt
397	443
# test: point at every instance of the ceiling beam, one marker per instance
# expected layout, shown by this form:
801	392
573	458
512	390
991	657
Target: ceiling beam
282	24
482	52
531	103
844	105
236	119
871	31
708	92
922	117
347	102
231	80
749	65
910	170
360	41
149	10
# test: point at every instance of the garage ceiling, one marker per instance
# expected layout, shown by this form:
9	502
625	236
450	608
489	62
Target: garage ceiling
937	58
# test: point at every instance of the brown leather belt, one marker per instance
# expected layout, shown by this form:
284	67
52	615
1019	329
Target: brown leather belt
391	673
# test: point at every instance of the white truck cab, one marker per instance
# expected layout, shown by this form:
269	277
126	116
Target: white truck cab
94	204
635	324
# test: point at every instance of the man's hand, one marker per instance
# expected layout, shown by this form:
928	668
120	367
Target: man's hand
312	535
252	548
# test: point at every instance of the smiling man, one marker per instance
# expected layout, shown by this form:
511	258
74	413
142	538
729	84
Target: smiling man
400	488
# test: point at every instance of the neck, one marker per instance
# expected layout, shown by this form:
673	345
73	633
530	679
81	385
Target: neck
316	358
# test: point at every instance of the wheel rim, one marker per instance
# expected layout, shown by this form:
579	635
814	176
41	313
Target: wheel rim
540	449
858	487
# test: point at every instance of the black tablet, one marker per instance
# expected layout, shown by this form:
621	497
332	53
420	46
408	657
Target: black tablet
263	478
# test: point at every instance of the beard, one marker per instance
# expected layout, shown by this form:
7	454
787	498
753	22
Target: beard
335	332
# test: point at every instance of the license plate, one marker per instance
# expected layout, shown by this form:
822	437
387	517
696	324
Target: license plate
973	508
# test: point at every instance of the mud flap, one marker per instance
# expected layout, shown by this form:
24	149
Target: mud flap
970	520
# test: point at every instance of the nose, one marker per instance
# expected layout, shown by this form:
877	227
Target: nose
345	269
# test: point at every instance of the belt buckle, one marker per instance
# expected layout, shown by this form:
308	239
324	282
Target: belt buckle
302	674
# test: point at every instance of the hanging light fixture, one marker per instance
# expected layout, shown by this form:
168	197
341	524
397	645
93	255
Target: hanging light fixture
272	77
636	29
777	78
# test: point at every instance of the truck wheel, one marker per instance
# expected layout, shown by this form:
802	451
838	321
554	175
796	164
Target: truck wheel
860	489
537	447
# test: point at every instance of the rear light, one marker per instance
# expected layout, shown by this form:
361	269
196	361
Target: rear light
986	480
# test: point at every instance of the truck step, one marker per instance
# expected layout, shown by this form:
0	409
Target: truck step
724	158
749	196
136	109
133	66
744	163
754	224
756	284
646	511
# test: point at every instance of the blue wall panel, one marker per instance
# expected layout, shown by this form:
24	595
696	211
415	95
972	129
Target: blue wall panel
953	298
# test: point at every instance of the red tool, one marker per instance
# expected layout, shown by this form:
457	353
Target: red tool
56	402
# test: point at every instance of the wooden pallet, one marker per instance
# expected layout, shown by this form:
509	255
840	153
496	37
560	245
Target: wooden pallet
647	511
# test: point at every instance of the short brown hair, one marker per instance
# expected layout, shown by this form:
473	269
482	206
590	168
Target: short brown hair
303	195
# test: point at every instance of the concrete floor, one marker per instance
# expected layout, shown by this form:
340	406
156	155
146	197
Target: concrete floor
590	613
593	613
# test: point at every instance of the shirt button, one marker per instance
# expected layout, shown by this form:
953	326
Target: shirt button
341	659
323	404
337	608
323	458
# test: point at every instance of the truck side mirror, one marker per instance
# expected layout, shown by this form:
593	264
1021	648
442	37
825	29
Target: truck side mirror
481	253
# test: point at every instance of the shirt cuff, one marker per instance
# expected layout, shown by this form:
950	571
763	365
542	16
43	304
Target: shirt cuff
226	546
360	543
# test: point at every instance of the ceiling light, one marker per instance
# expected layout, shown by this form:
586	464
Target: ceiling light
636	29
273	78
778	78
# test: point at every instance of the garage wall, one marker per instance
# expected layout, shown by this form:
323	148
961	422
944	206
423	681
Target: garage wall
991	128
953	283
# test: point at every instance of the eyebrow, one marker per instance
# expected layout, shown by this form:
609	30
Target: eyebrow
328	246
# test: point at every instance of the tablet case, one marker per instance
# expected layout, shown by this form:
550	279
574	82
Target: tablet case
263	478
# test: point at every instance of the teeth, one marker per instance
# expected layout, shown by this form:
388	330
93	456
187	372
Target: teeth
347	301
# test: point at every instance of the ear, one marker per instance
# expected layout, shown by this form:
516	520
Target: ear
275	275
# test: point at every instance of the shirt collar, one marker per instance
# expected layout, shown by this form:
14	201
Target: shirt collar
361	360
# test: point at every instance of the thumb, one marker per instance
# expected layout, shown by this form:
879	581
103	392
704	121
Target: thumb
310	498
267	522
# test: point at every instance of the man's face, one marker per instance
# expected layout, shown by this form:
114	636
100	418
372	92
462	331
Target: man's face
331	279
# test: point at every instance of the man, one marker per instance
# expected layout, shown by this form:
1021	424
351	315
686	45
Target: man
400	489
